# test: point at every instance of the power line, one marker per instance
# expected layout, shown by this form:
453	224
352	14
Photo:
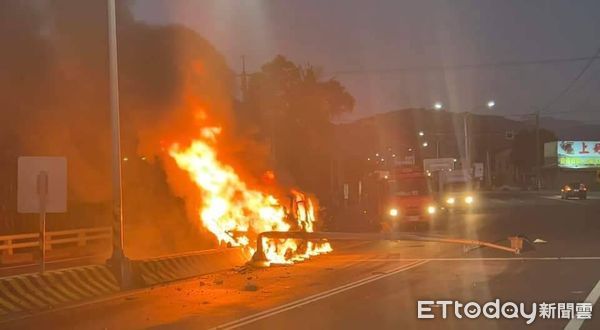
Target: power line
573	111
469	66
572	83
529	115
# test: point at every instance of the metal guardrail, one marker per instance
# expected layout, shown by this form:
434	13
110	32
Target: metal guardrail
10	243
260	257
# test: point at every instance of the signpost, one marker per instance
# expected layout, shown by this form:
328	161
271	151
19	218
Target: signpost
42	188
478	170
407	161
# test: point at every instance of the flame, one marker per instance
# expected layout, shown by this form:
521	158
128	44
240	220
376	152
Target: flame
235	213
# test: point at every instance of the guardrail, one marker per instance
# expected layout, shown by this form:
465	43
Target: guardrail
9	244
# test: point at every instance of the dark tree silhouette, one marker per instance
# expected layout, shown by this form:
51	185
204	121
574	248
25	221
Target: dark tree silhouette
293	107
523	155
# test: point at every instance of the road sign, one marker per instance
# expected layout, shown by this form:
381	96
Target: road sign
456	176
478	170
408	160
33	173
438	164
42	188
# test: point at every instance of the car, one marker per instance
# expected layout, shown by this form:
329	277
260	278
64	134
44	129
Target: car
574	189
459	200
458	195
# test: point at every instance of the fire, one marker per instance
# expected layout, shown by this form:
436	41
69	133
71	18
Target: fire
235	213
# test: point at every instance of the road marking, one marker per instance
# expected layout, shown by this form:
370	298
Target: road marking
304	301
558	199
481	259
575	324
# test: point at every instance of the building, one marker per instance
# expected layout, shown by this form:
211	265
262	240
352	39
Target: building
571	161
504	172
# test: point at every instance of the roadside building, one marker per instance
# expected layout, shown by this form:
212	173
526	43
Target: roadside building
504	172
571	161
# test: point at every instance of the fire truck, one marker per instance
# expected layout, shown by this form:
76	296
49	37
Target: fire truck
402	196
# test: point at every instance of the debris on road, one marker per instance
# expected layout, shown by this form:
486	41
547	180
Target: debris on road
250	286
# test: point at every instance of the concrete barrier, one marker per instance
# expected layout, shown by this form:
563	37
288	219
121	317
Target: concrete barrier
37	292
170	268
31	293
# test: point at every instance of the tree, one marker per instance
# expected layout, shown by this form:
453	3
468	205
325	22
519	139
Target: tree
523	150
293	108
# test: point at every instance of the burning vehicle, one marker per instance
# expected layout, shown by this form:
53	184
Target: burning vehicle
236	213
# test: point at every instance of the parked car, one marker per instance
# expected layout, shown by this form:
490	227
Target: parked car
575	189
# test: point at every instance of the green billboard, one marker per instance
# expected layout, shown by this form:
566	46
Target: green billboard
578	154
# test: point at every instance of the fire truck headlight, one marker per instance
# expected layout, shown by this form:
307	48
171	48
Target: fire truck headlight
394	212
469	199
450	200
431	209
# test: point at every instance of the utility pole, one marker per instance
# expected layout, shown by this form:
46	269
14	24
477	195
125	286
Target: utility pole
538	168
467	142
119	263
244	80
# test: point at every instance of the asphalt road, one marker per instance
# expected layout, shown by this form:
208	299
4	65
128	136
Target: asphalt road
377	284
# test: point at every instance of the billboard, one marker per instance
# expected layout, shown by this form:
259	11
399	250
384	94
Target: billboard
578	154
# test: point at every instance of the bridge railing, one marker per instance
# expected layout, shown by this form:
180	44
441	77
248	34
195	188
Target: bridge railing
13	244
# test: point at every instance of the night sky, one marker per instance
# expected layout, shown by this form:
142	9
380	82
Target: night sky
363	43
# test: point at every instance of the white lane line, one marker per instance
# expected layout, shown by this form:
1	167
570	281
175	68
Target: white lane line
480	259
558	199
304	301
575	324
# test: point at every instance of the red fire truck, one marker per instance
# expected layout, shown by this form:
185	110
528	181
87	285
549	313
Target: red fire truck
403	196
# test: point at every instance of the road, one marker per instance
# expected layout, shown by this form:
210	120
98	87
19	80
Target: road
377	284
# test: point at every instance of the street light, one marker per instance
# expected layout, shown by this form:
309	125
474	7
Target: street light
119	262
425	144
438	106
421	133
490	104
